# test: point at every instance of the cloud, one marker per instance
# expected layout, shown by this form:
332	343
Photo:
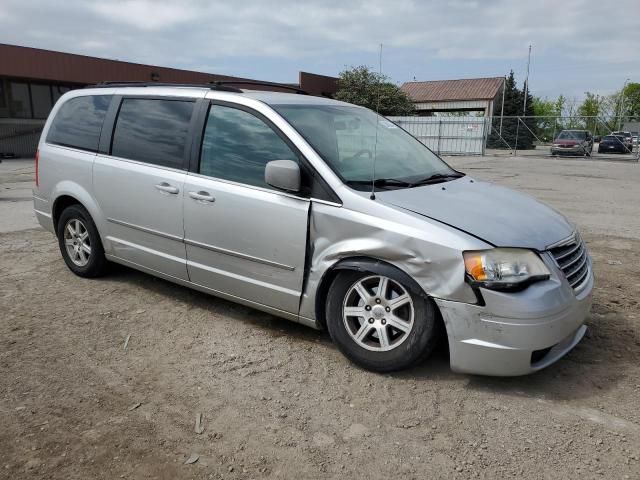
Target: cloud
145	14
274	39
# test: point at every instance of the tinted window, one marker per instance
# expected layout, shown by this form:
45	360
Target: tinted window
58	91
152	131
41	98
79	121
4	110
3	102
20	102
237	145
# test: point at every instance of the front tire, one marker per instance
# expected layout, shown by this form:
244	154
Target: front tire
378	322
80	243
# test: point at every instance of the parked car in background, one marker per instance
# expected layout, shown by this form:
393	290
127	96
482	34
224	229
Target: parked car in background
613	144
267	199
627	138
597	138
634	139
573	142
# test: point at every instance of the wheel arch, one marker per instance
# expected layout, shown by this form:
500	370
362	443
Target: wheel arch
69	193
59	205
368	265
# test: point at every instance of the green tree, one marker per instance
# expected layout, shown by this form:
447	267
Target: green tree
544	107
361	86
525	130
561	102
610	111
590	109
547	112
631	101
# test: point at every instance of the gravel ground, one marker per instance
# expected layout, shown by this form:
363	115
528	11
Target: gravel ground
277	400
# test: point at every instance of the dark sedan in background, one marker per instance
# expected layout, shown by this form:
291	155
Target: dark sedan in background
626	137
613	143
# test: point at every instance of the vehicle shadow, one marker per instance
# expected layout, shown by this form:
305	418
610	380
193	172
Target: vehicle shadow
275	326
589	370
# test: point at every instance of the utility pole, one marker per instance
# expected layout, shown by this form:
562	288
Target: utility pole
526	84
504	89
622	104
524	105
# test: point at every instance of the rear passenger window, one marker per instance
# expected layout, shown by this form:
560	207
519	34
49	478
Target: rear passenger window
237	146
152	131
79	121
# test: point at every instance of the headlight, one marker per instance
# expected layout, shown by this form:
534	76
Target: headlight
504	268
556	144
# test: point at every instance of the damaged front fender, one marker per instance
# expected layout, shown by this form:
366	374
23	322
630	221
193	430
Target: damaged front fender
429	252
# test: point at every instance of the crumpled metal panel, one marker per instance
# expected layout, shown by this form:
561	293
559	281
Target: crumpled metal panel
428	251
499	215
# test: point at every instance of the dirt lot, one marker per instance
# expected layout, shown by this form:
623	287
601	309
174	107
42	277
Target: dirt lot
278	400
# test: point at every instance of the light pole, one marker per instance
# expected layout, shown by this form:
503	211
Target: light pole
504	89
622	103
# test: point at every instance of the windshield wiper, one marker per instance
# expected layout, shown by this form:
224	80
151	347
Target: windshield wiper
437	178
381	182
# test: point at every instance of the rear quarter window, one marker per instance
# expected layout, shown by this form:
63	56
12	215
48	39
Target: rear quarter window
78	122
152	131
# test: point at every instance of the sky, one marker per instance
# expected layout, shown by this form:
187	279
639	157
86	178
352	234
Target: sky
577	45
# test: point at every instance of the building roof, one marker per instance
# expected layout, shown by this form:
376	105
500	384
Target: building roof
39	64
48	65
453	90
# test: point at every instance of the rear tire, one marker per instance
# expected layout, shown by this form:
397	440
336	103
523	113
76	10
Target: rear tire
388	330
80	243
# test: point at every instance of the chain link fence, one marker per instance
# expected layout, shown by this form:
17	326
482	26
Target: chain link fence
527	135
588	136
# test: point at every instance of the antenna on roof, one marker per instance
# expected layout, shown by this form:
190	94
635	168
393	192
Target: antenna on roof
375	145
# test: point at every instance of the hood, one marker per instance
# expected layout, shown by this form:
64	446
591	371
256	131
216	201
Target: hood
495	214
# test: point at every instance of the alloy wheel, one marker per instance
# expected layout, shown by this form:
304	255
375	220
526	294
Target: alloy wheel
378	313
77	242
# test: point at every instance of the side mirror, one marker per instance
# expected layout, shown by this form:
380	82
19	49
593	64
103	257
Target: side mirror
283	174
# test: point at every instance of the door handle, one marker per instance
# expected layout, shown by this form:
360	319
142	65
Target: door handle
165	187
202	196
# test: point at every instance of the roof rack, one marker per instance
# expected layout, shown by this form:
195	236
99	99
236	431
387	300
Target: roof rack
223	83
210	85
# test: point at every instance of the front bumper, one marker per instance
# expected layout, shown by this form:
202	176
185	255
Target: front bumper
577	150
517	333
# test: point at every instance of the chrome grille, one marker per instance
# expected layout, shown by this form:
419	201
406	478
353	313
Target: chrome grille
572	258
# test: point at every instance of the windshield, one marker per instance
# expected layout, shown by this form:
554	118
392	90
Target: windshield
345	137
569	135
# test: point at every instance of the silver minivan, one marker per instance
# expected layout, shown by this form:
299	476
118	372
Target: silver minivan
317	211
